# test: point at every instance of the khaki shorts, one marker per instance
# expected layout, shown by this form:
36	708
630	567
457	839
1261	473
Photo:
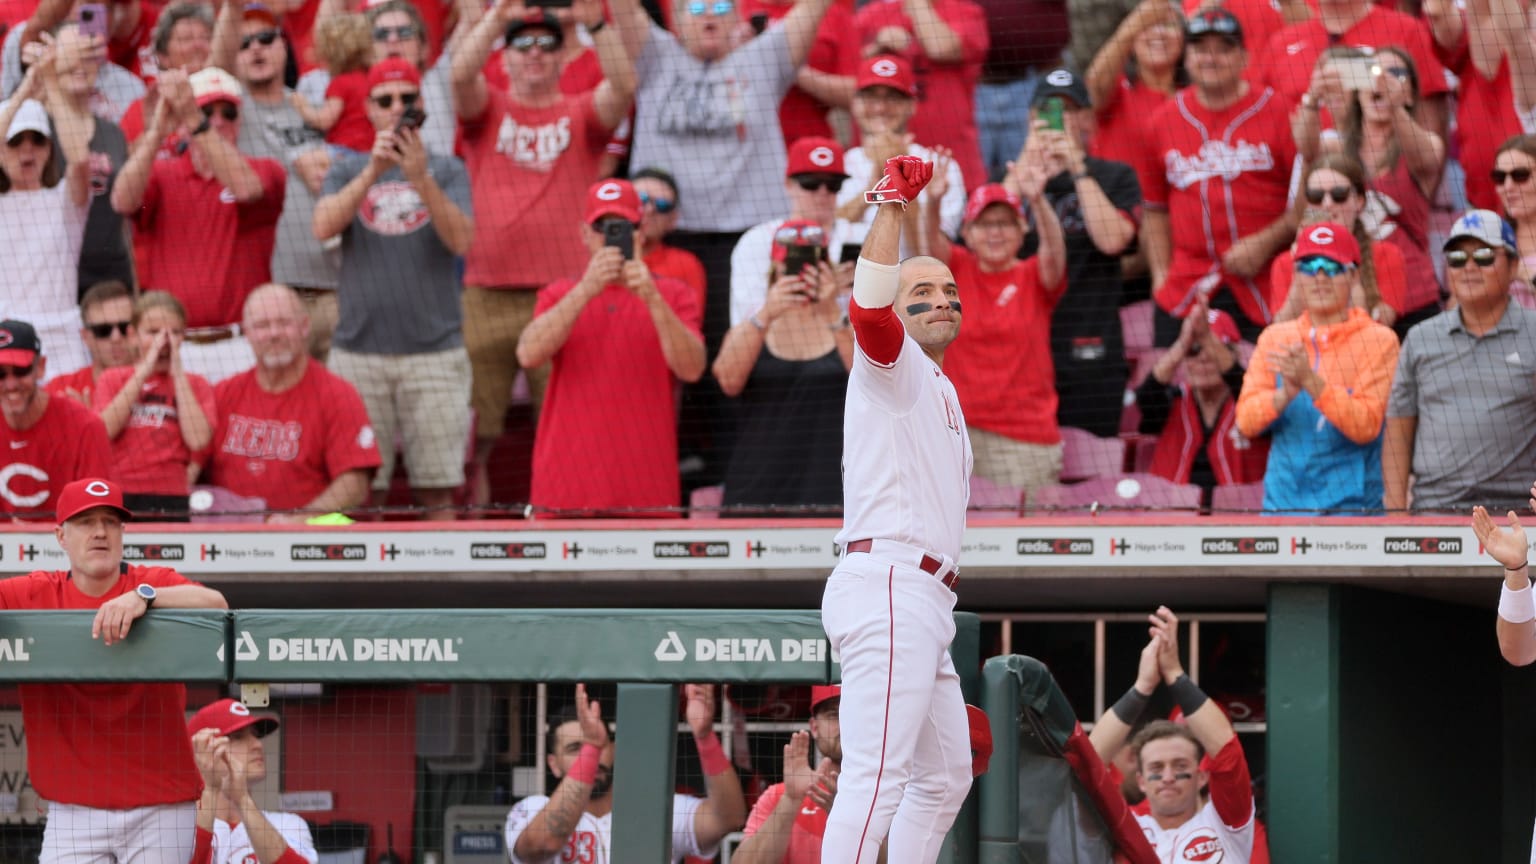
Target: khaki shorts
493	322
420	401
1018	464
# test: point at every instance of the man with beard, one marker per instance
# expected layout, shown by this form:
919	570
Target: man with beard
575	822
788	820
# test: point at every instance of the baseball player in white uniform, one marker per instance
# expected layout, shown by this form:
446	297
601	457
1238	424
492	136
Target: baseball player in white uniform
231	827
574	825
888	607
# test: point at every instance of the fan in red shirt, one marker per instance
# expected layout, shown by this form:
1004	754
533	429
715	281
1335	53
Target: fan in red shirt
787	821
49	441
107	310
826	80
119	748
1214	176
659	203
1001	366
290	431
945	41
618	340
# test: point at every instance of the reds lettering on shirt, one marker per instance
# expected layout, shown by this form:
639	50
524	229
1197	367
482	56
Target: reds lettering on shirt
1203	839
533	146
255	438
1217	160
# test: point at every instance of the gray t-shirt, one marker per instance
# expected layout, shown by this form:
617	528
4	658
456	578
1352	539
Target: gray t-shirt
274	130
1475	400
116	87
104	254
715	126
399	284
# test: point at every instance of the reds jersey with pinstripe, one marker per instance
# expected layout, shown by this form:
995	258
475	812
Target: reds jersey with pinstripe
1221	176
906	456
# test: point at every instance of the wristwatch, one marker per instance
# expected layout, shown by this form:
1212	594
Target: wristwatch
202	127
148	594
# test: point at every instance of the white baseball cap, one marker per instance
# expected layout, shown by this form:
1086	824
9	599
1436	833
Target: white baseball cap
30	117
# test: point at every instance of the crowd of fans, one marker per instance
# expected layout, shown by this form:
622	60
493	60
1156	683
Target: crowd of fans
281	248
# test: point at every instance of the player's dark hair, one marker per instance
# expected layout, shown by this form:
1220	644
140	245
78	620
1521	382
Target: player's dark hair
564	716
1160	729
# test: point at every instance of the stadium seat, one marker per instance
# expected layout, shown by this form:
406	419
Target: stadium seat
704	502
1136	328
1085	455
1128	491
989	499
217	504
1142	449
1238	498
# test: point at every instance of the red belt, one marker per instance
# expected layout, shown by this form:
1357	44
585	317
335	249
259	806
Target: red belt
929	564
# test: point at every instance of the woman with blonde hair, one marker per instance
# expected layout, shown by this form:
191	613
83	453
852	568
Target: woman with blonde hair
158	416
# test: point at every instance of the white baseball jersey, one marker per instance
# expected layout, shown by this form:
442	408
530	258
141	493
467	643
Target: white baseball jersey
906	454
233	845
1204	838
593	837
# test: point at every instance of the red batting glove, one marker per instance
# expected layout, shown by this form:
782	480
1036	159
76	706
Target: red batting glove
905	177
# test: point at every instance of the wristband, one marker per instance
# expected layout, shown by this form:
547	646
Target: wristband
1130	706
712	755
594	29
757	322
1525	566
584	769
1516	607
1082	175
1190	698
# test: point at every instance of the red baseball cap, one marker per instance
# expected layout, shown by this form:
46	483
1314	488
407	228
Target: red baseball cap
815	155
822	692
986	196
1224	327
393	69
19	345
613	198
88	494
797	232
887	70
229	717
981	739
259	12
1330	240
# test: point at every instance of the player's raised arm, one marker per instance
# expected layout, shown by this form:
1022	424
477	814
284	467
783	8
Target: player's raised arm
876	328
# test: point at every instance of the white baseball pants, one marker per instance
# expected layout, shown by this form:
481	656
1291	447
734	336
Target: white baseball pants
162	834
906	740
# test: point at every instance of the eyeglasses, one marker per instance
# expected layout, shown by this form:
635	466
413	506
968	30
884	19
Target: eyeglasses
229	112
17	371
1458	258
662	205
544	42
1339	194
403	32
1519	175
813	184
105	328
718	7
1317	265
265	38
800	235
36	139
387	101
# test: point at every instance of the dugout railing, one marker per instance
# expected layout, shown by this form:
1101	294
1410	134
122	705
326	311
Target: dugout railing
649	652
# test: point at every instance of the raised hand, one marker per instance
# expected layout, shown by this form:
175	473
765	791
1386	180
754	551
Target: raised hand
904	178
1165	630
1508	547
824	790
799	776
700	712
590	714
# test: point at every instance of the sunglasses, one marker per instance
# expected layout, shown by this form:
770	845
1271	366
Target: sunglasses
36	139
1339	194
264	38
1458	258
105	328
403	32
1317	265
803	235
229	112
662	205
17	371
387	101
1519	175
814	184
544	42
718	7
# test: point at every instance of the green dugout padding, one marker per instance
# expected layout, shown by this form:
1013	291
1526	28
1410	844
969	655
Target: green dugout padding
650	650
